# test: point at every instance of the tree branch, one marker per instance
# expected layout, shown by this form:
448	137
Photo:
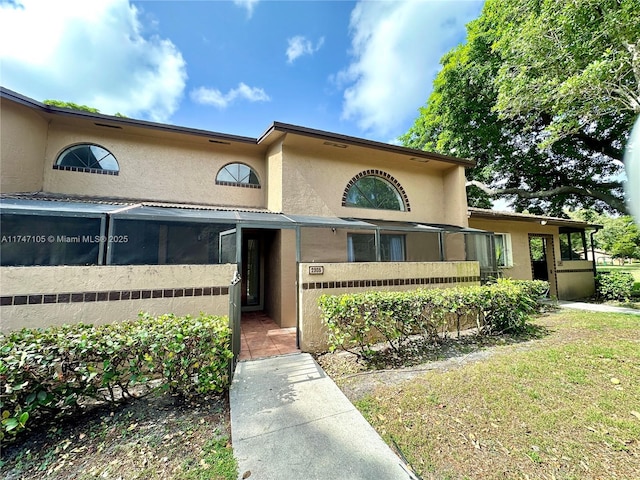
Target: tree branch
609	199
599	146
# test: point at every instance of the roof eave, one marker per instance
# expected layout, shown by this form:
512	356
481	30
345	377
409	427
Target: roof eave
361	142
119	121
555	221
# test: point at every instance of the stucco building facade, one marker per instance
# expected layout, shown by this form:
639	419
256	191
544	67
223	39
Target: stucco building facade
104	217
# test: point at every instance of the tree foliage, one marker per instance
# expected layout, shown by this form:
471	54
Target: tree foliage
75	106
542	95
71	105
619	236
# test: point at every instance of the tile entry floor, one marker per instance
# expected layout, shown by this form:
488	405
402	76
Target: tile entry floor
262	337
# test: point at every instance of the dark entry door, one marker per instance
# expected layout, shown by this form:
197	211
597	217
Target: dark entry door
538	250
543	261
252	272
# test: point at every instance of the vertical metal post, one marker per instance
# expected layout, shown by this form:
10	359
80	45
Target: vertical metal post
235	307
234	321
378	245
298	286
441	245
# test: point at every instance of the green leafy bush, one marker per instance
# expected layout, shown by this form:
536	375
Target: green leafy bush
49	373
614	285
358	321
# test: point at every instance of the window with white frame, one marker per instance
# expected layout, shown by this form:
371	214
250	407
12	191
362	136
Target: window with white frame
502	243
87	157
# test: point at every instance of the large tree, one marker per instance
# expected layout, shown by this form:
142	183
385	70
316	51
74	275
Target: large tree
542	95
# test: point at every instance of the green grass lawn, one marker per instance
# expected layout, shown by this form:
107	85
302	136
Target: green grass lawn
566	406
632	268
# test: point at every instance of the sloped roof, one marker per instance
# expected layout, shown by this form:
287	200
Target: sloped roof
275	130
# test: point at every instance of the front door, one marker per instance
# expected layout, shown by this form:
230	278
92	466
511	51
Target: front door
252	272
543	260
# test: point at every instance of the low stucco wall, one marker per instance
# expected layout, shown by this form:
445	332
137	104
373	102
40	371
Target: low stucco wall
340	278
575	279
43	296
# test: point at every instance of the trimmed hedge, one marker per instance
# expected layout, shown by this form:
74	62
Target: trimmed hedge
614	285
358	321
49	373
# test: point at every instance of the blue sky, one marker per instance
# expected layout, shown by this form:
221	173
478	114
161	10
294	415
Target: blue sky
356	68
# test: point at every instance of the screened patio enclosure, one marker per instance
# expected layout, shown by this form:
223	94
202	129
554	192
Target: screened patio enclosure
53	232
50	232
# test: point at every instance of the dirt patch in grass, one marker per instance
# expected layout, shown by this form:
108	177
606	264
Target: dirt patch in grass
155	437
565	405
357	377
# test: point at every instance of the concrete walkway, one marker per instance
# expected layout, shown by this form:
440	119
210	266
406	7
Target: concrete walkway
596	307
289	420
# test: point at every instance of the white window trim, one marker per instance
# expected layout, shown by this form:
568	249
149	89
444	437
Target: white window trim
508	254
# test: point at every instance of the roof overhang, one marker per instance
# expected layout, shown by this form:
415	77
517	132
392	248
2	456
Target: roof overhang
187	213
486	214
277	129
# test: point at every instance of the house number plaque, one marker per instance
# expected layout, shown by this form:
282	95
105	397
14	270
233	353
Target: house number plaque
316	270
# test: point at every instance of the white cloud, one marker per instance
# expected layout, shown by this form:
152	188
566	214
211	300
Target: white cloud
90	52
214	97
299	46
248	5
396	49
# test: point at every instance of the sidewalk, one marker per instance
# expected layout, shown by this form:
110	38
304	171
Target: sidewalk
596	307
289	420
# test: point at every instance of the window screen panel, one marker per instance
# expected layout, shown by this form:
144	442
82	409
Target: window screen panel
166	243
30	240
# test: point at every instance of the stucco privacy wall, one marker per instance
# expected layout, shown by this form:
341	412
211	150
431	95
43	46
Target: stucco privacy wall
43	296
340	278
166	168
23	139
575	279
315	176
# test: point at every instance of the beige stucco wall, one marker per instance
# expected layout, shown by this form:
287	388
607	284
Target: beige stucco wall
313	333
575	279
67	279
455	197
422	247
162	168
323	245
280	278
287	286
315	177
274	178
23	139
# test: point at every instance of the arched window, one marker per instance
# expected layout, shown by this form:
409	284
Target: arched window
238	175
89	158
375	189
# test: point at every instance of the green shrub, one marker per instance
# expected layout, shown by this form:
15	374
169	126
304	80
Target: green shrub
49	373
614	285
358	321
